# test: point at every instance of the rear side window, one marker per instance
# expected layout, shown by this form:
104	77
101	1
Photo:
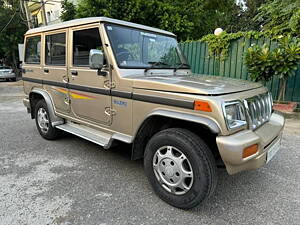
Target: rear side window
33	50
55	49
83	42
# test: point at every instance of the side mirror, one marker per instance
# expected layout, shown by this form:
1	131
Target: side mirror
96	59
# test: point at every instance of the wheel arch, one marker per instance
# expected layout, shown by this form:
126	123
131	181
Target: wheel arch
163	119
37	94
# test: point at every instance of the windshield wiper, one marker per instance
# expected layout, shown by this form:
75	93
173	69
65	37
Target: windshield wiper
153	64
182	65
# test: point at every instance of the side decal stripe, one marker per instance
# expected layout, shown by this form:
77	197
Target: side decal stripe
164	101
32	80
121	94
54	83
116	93
102	91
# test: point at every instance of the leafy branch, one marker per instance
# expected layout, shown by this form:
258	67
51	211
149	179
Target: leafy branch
264	63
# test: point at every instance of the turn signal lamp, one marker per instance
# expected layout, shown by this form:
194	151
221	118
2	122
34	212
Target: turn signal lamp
202	106
251	150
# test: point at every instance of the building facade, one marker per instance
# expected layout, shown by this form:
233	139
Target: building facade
43	12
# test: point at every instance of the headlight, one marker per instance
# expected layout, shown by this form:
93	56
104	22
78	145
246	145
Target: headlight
234	114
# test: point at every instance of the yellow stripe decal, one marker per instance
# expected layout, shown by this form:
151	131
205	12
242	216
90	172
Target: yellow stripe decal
75	95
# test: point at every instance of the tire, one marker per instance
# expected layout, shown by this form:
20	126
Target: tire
43	122
182	188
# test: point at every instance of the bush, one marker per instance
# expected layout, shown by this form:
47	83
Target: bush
264	63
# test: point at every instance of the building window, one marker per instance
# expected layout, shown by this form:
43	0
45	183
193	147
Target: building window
35	21
49	16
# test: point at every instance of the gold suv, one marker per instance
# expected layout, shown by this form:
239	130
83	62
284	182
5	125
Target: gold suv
107	80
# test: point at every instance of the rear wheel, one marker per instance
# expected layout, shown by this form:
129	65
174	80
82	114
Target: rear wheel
180	167
43	121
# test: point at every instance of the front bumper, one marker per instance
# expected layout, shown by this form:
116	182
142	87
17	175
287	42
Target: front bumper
231	147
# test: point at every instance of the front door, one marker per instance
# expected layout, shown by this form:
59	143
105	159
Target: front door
88	95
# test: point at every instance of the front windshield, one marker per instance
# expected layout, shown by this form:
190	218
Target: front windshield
134	48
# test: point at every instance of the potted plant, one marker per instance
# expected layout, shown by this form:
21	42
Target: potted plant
282	61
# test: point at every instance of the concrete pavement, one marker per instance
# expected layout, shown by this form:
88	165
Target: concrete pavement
73	181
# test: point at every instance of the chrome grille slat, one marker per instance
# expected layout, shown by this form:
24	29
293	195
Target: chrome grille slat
259	109
266	107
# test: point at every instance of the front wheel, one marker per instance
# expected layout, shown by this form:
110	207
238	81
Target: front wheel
43	121
180	167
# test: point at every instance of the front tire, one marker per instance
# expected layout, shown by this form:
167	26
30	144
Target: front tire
180	167
43	122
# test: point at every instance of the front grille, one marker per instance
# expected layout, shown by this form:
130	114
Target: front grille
258	109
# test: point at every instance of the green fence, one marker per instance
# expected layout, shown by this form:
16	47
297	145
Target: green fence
198	57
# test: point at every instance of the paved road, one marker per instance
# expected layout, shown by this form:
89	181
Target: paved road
72	181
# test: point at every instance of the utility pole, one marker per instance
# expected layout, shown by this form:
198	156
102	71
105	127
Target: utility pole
44	12
24	4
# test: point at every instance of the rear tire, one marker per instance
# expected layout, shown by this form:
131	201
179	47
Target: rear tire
180	167
43	122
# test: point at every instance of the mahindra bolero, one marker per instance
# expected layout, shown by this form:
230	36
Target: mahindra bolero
111	81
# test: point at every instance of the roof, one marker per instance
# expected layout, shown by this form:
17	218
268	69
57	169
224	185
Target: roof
88	20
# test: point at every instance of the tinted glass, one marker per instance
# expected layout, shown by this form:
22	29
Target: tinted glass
33	50
56	49
83	42
134	48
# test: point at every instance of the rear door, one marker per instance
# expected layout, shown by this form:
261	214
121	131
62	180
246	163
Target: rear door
32	66
55	71
90	98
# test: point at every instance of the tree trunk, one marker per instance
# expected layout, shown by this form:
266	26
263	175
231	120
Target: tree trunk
281	96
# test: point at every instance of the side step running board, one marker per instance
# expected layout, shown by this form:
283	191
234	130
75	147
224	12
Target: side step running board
87	133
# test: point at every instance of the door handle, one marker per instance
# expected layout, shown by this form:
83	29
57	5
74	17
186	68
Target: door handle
74	73
46	70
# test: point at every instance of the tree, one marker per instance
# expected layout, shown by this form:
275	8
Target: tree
187	19
160	14
68	11
12	29
243	21
280	16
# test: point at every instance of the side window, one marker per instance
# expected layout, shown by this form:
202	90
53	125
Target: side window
83	42
55	49
33	50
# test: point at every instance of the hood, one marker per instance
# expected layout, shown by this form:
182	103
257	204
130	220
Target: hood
194	84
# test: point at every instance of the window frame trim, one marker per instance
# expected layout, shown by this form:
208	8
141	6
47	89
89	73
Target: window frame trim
65	31
41	50
139	29
81	28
